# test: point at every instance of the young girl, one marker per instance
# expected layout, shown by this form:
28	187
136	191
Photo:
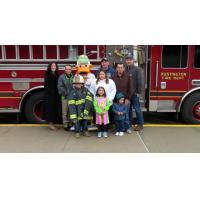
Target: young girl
119	110
101	106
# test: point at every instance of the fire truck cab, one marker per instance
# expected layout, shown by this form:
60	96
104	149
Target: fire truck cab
173	81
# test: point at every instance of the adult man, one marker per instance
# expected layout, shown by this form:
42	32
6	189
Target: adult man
138	83
105	67
124	84
64	87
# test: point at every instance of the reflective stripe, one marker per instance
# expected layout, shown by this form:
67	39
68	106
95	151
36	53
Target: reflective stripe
74	116
71	102
89	98
86	112
81	101
88	118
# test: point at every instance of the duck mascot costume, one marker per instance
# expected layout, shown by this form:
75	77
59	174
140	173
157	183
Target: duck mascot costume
83	67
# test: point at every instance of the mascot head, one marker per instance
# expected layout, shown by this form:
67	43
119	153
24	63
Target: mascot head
83	65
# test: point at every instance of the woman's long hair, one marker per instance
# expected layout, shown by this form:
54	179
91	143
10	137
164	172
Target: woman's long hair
49	68
106	77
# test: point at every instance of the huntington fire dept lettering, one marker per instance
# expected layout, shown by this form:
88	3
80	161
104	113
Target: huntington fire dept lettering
175	76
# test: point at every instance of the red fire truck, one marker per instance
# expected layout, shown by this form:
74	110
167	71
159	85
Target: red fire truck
171	75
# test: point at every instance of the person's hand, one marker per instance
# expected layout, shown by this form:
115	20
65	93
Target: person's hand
118	113
127	101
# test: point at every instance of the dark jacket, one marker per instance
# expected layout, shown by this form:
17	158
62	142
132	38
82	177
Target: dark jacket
117	107
80	104
124	84
51	97
110	72
65	85
138	79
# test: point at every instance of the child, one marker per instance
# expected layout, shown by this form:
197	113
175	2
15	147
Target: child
101	106
119	110
80	102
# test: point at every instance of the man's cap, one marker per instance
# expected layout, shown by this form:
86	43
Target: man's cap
104	59
129	57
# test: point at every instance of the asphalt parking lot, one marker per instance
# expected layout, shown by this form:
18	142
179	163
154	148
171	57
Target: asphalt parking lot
153	139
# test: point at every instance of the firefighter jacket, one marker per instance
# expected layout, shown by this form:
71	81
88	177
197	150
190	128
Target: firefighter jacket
80	104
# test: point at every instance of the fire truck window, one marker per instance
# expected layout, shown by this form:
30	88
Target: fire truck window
51	52
63	51
10	51
23	51
37	51
197	56
174	56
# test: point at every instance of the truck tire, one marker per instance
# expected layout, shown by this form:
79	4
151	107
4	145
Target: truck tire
190	111
34	108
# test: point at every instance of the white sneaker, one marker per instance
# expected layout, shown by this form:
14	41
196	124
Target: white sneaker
129	131
121	133
105	134
99	134
117	133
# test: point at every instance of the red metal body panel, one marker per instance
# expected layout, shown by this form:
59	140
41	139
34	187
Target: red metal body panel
32	72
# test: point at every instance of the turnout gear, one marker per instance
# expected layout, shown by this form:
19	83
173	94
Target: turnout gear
80	104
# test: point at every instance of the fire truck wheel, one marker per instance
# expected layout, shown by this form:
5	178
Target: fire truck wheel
190	111
34	108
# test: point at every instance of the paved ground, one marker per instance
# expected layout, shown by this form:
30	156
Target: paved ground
155	139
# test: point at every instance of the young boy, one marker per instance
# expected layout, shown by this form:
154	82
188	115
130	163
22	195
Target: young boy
119	109
80	102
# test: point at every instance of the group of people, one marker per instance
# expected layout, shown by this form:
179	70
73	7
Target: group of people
108	99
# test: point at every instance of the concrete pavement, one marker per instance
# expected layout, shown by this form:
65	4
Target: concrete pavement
39	139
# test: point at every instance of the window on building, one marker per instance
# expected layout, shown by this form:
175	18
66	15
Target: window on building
23	51
197	56
10	51
37	51
174	56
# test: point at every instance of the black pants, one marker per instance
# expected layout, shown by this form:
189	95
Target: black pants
111	115
103	128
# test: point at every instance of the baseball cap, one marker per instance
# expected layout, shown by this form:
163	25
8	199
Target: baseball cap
129	57
104	59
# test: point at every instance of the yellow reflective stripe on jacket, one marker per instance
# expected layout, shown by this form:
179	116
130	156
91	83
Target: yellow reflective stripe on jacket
81	101
74	116
89	98
86	112
71	102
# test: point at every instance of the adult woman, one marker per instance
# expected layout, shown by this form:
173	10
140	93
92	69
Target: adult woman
103	81
51	96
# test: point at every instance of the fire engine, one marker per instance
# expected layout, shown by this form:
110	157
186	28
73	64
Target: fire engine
171	75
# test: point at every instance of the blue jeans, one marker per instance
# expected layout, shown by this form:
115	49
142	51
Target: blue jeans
127	118
120	125
81	126
139	115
